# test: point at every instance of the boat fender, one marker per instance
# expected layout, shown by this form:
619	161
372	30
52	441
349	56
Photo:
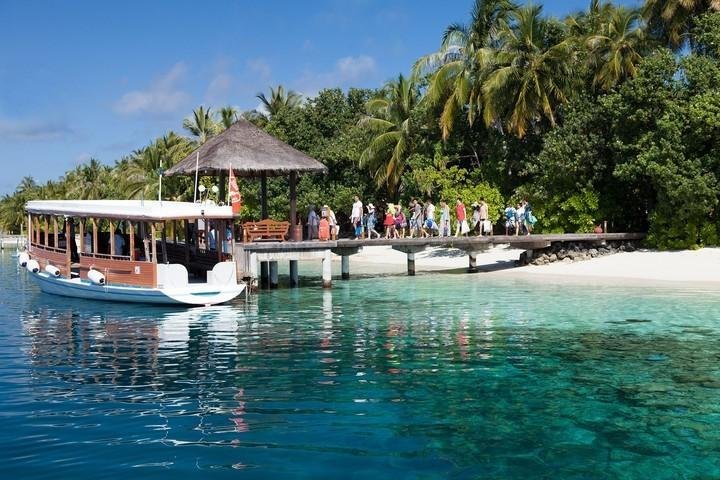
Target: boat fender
23	259
96	277
33	266
52	270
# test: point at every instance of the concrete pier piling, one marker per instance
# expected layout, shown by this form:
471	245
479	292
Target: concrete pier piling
472	262
411	264
327	269
273	274
294	274
345	267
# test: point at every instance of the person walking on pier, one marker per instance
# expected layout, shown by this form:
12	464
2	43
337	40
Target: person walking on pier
389	222
445	230
462	225
483	210
356	216
519	218
400	222
509	218
475	225
332	220
416	221
430	226
313	222
371	222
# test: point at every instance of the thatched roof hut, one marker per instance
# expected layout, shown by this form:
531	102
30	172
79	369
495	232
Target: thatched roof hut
250	151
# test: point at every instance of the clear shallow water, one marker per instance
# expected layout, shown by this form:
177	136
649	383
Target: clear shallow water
440	376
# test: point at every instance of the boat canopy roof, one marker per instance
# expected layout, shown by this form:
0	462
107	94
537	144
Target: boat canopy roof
146	210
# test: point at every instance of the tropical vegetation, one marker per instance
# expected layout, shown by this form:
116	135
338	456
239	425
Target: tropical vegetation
609	115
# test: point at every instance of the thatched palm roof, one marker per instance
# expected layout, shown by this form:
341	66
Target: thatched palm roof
250	151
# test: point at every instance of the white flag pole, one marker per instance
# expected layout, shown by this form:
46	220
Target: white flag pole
197	167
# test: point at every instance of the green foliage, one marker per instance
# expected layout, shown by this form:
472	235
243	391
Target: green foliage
567	214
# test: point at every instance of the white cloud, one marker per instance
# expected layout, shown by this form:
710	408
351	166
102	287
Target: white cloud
163	95
347	71
34	130
218	87
261	68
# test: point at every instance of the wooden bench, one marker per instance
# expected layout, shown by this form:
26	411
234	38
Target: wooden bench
265	230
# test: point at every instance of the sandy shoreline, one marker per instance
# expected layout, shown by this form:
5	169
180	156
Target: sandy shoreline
701	267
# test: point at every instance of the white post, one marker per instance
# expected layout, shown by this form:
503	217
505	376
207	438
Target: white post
327	269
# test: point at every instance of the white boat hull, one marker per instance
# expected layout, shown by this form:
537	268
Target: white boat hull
192	294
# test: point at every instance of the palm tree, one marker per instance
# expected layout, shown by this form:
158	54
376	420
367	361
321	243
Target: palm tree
279	100
141	173
458	69
201	124
88	181
531	76
673	19
228	116
615	51
389	121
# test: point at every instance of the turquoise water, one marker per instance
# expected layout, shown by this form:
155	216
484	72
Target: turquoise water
438	376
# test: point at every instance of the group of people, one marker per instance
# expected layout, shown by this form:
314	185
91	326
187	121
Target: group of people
519	218
419	221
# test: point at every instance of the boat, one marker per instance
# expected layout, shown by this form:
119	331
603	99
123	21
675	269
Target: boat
139	251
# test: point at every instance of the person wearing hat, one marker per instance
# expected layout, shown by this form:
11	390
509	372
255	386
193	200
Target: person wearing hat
371	222
332	221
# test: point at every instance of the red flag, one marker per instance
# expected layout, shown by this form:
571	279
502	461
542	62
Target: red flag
235	197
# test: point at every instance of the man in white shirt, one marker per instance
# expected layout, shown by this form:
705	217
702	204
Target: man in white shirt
356	216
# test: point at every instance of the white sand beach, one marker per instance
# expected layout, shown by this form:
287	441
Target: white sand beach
642	266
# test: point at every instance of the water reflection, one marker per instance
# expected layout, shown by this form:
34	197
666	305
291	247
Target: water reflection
319	383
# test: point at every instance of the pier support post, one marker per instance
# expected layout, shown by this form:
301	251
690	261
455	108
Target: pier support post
472	262
264	275
294	276
327	269
273	274
345	267
410	251
411	264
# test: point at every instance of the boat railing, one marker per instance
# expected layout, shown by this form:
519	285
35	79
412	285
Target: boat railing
48	248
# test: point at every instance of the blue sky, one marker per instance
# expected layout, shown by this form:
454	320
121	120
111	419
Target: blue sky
81	79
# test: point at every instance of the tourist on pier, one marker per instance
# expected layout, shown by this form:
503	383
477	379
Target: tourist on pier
475	224
529	218
445	230
462	225
430	227
520	218
484	218
313	222
400	222
416	220
389	222
356	217
509	218
371	221
329	214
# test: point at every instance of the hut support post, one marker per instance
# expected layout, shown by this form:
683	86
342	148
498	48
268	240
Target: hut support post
81	225
263	196
153	246
293	206
294	277
274	274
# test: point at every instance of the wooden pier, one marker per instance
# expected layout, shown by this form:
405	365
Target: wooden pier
259	260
